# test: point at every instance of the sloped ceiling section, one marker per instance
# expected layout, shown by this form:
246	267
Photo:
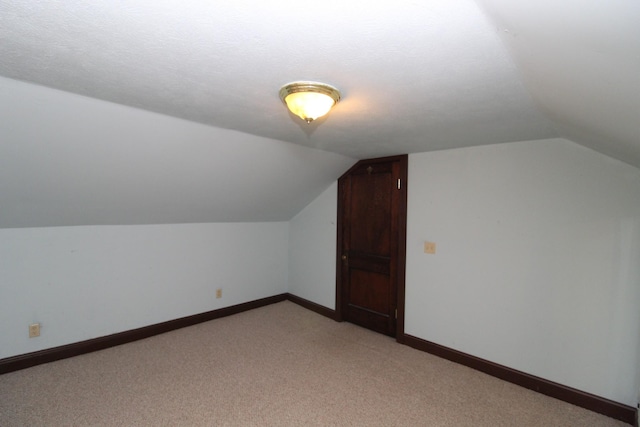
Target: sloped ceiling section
66	159
580	60
415	76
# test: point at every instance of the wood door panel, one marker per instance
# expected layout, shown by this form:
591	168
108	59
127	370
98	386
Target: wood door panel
369	291
371	232
373	263
371	244
369	320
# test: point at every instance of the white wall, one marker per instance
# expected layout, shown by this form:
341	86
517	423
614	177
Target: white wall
537	264
312	249
91	281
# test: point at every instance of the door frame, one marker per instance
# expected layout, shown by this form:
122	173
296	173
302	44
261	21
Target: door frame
402	239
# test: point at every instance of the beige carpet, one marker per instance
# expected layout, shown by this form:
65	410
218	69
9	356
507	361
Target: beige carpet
280	365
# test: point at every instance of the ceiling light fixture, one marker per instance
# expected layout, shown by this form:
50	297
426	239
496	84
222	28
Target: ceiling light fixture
309	100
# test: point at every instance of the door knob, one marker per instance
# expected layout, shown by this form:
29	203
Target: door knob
344	257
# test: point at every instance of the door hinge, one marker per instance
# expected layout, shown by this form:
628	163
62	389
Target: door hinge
398	183
396	314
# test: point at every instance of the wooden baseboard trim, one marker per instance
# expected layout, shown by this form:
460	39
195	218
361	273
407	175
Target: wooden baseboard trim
28	360
549	388
570	395
309	305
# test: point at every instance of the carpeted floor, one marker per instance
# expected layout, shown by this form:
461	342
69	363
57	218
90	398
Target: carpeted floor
279	365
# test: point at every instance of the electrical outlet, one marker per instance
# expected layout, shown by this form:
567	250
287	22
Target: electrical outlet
34	330
218	293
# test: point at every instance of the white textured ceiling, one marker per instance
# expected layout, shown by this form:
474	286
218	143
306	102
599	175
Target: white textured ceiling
580	60
415	76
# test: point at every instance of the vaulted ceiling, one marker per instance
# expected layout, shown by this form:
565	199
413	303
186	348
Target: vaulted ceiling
415	76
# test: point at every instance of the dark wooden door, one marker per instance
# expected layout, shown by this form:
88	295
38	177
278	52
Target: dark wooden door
371	244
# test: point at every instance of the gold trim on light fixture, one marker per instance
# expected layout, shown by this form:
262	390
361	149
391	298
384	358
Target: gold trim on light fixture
309	100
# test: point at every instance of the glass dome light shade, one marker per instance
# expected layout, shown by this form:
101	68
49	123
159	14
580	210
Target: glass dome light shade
309	100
